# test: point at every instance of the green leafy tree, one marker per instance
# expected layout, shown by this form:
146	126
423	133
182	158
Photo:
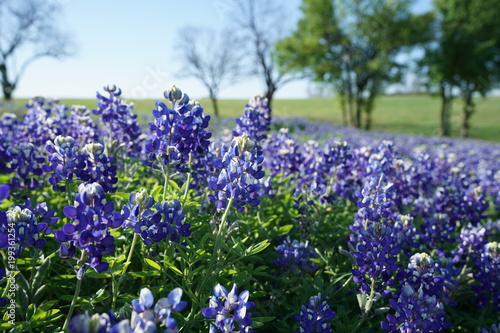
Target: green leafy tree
354	45
464	56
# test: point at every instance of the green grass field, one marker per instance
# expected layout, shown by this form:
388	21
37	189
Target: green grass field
401	114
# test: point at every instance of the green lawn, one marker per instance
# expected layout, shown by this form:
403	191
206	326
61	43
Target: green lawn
403	114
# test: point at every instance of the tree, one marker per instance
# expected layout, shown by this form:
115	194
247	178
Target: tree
464	57
261	24
214	59
27	27
354	44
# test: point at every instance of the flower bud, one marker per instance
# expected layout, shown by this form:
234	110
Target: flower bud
173	94
93	149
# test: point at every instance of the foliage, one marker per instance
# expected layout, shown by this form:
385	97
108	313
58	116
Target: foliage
249	230
463	55
354	45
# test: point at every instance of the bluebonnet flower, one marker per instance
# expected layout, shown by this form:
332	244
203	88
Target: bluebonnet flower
375	254
255	120
166	221
93	218
26	161
295	257
237	173
434	278
27	223
315	316
472	241
8	135
495	328
81	126
416	311
95	166
488	276
282	154
374	244
229	309
43	122
138	208
4	192
3	300
144	318
177	132
121	123
63	160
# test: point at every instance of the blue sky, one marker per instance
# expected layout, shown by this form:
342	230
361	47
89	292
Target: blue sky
133	44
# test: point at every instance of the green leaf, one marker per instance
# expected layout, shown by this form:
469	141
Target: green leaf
39	294
30	312
259	321
175	269
121	195
96	275
154	265
141	275
40	274
254	249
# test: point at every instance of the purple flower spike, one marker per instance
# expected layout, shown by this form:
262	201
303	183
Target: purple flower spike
4	192
229	309
315	316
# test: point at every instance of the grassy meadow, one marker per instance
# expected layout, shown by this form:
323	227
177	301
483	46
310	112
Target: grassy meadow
401	114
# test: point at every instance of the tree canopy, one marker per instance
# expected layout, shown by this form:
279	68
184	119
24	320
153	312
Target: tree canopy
354	44
465	54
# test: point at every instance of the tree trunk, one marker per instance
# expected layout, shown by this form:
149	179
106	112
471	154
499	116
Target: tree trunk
469	109
359	109
370	101
269	95
446	102
343	108
368	110
215	105
7	86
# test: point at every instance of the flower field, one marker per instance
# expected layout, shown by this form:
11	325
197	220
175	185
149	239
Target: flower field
255	225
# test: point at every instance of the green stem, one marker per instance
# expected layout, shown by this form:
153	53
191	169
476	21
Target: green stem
208	273
68	192
125	266
166	176
75	296
188	180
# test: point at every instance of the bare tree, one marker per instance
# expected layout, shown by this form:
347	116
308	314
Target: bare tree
213	58
27	27
261	23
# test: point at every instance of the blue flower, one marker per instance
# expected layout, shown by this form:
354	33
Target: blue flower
28	224
315	316
237	173
93	218
177	132
4	192
295	257
416	311
229	308
143	318
63	160
121	123
166	221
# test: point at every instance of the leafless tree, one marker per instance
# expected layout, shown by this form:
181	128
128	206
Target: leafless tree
27	32
261	23
212	57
